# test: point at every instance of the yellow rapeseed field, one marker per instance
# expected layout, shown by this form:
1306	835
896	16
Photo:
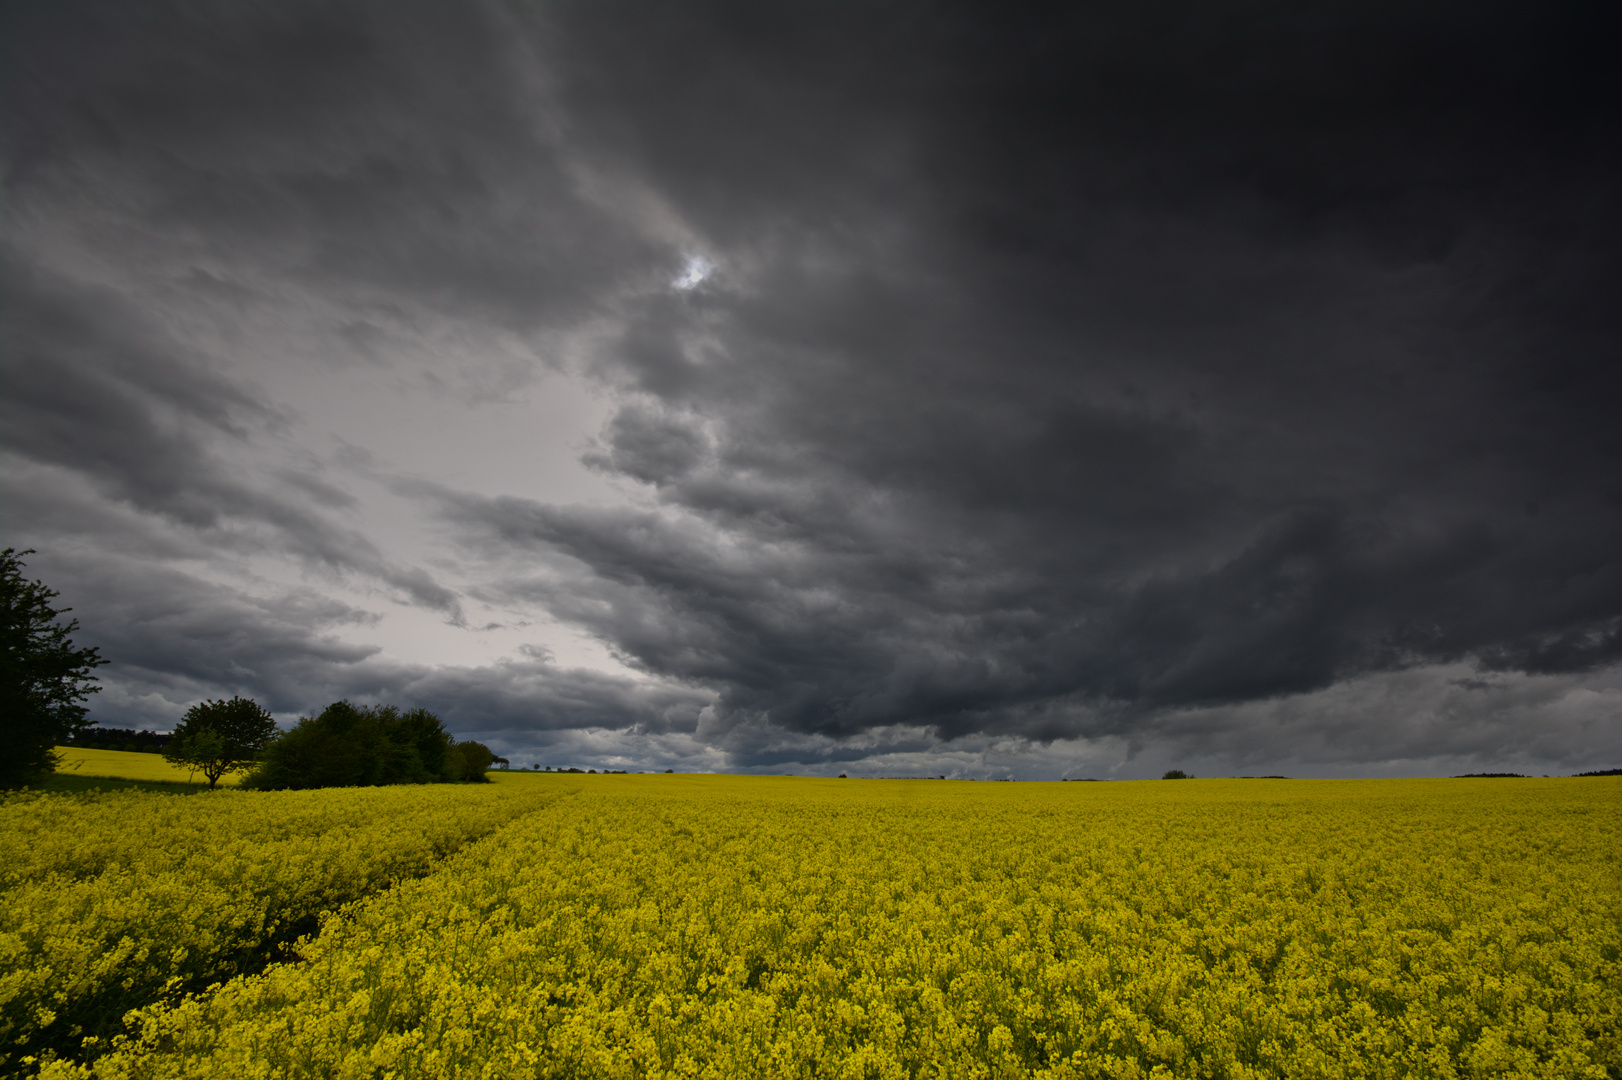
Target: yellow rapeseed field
775	927
116	899
89	762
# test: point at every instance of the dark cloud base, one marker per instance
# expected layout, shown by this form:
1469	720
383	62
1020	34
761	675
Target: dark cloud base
1167	376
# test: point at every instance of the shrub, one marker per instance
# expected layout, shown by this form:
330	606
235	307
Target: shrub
467	761
349	745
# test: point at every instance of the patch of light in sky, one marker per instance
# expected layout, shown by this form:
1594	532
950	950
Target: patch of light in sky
696	269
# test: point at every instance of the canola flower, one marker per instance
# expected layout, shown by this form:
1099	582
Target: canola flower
765	927
113	900
93	764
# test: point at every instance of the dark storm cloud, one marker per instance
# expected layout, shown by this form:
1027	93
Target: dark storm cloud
1074	368
93	388
1068	372
174	637
178	637
396	161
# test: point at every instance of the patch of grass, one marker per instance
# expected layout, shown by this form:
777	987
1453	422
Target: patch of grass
74	784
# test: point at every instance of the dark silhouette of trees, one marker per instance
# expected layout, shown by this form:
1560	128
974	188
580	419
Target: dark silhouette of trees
468	761
350	745
43	678
220	737
126	739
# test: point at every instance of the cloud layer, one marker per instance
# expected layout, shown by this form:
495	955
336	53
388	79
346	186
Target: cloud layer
773	386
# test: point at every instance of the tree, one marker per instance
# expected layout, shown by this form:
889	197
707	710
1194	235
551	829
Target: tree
350	745
423	731
220	737
468	762
1176	774
43	678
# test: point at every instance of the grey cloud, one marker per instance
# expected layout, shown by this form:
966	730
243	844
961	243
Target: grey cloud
95	388
361	154
173	638
1448	717
326	494
1156	388
524	698
1068	376
90	386
835	630
651	447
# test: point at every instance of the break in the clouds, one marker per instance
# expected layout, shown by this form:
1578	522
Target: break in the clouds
899	389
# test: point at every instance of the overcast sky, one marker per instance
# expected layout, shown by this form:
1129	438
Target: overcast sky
882	387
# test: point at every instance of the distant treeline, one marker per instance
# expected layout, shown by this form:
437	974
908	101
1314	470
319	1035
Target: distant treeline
344	745
100	738
1522	776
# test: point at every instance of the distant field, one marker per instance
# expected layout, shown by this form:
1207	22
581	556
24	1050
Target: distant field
81	761
84	763
667	925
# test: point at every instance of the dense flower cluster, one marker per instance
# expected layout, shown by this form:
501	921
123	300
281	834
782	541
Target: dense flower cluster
113	900
727	926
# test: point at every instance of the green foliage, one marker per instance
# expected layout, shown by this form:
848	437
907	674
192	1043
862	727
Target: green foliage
423	730
468	761
1176	774
350	745
43	678
220	737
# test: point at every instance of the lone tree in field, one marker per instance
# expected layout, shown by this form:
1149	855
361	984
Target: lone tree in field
220	737
42	676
